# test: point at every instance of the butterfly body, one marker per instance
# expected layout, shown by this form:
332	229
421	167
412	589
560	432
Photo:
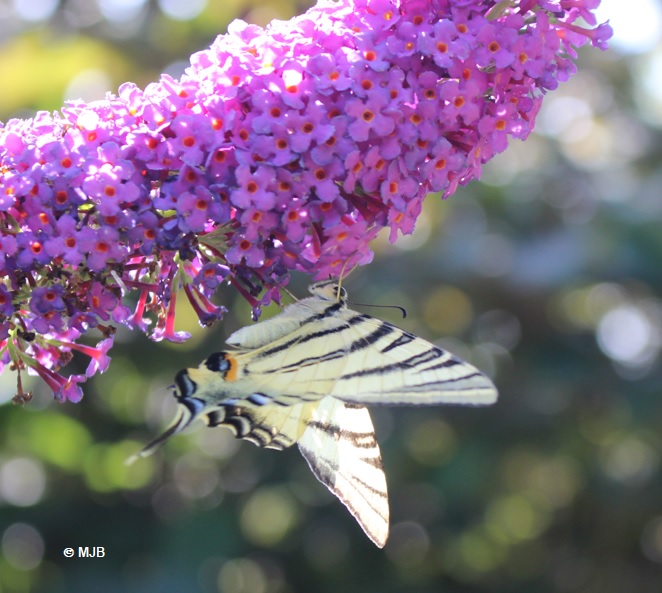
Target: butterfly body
304	377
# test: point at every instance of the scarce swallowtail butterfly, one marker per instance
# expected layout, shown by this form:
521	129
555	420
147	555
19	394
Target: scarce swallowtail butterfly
305	377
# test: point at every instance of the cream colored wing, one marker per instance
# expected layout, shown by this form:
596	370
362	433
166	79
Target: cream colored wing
338	442
340	447
360	359
270	426
290	319
318	347
336	439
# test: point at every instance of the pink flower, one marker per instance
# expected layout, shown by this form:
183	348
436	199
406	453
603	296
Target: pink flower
285	148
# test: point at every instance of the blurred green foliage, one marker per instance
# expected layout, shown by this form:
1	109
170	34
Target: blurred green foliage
546	275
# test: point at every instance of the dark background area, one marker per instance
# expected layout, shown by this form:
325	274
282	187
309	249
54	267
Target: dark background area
546	275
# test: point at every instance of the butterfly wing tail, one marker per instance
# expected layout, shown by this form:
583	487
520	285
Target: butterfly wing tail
340	447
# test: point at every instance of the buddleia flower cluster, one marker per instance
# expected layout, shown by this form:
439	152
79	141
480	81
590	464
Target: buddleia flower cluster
280	149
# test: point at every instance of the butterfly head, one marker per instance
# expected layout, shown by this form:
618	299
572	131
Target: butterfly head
329	290
190	408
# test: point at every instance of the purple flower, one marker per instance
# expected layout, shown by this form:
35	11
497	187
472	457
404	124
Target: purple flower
285	148
8	247
99	359
47	305
494	44
47	299
246	253
321	180
445	45
211	275
309	127
101	246
253	188
195	209
207	312
295	221
189	138
6	304
31	250
368	117
64	242
101	301
64	389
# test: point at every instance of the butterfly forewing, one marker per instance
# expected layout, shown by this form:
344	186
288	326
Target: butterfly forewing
289	320
387	365
361	359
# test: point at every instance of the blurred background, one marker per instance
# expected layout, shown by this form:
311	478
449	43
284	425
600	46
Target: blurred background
546	275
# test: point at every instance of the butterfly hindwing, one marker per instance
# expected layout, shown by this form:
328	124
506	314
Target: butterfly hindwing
271	426
340	447
337	439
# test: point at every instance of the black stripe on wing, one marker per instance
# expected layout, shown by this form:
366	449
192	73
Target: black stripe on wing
328	312
302	339
446	364
409	363
425	387
418	363
384	329
361	440
357	345
326	472
246	425
306	362
401	340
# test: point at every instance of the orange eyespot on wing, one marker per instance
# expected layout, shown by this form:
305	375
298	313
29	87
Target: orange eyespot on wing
223	363
233	365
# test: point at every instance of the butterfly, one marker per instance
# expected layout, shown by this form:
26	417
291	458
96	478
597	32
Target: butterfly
305	377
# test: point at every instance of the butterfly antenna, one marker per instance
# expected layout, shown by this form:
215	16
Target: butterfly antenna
401	309
294	298
285	290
